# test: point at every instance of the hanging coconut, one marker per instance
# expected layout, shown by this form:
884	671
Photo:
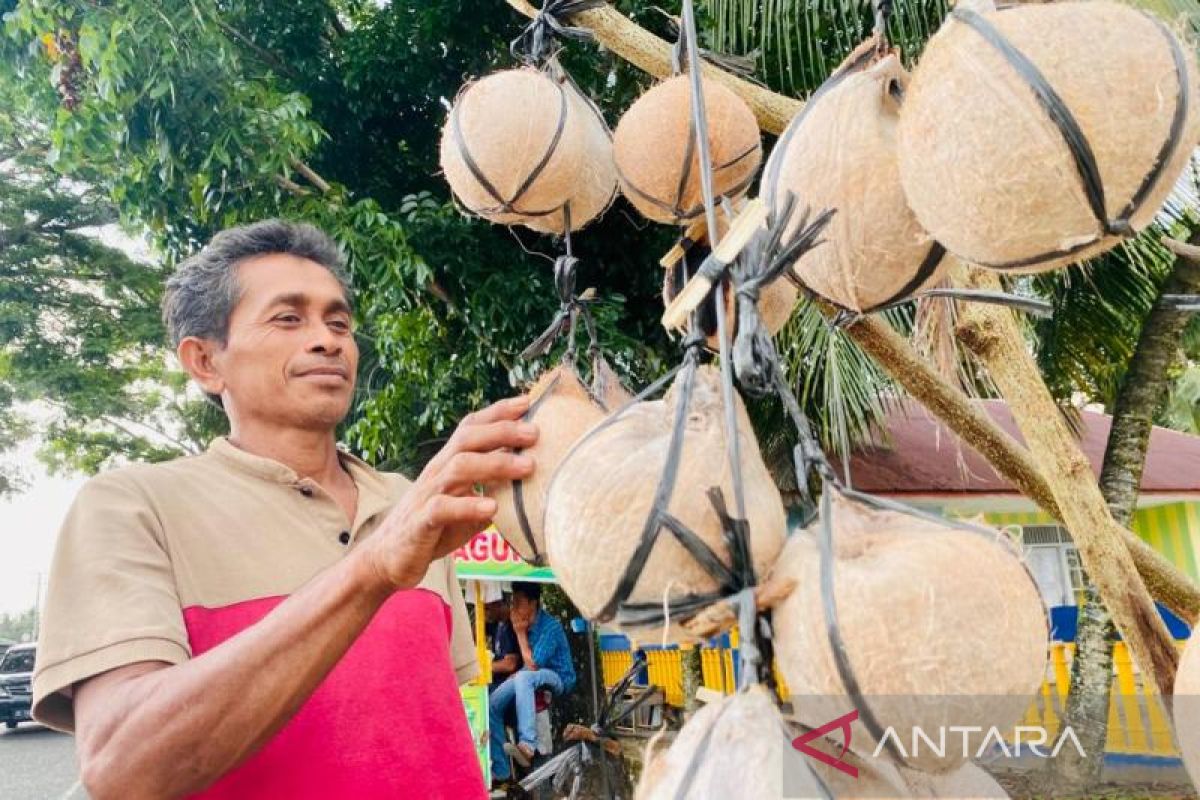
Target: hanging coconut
563	408
604	530
1187	706
658	162
514	146
595	185
1041	134
939	626
840	152
733	747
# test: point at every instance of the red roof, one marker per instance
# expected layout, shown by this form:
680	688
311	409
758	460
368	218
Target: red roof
920	455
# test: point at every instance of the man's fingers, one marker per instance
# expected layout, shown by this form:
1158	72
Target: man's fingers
464	470
511	408
505	411
445	511
511	434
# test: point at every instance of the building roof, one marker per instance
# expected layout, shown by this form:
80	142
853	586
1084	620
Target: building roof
920	455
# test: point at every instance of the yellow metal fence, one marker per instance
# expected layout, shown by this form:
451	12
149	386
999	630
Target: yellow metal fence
1137	722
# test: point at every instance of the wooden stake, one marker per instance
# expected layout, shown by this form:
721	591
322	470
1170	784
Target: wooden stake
748	222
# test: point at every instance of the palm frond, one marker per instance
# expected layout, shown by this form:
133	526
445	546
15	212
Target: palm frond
800	43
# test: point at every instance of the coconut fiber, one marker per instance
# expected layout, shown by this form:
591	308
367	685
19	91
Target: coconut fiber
563	408
657	157
1039	135
613	521
840	152
940	626
514	146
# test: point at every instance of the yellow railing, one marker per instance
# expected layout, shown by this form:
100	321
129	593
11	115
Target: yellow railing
1137	722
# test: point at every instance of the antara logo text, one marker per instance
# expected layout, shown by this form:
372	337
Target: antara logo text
942	742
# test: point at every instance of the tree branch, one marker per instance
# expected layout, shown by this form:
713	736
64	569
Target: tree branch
291	186
644	50
310	175
991	332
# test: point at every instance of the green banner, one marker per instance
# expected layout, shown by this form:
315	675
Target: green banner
475	700
487	557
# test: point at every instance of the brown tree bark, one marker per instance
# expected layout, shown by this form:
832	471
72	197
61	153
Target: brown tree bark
1143	389
1170	586
992	334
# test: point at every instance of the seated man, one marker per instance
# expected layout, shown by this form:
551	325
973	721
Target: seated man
502	642
547	663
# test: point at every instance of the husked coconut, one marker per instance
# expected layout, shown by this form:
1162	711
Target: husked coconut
840	152
563	409
514	145
603	492
660	173
1187	706
992	176
941	627
730	748
596	182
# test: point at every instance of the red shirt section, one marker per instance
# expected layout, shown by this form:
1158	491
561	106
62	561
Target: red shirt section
387	722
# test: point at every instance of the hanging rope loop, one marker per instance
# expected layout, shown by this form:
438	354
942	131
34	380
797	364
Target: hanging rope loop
537	41
572	308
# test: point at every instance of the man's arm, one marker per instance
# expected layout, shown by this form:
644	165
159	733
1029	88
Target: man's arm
521	629
152	730
505	666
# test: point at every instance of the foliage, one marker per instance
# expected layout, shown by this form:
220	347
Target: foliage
18	627
189	116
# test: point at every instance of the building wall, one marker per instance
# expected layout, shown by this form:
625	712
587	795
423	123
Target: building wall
1172	529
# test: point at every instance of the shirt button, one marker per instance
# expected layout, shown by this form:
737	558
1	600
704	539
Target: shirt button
306	491
344	537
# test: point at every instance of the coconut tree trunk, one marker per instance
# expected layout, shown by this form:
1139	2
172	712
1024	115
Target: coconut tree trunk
1143	390
645	50
693	678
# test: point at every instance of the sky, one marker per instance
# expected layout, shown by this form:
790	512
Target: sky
29	525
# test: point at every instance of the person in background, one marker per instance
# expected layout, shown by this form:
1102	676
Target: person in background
545	662
502	641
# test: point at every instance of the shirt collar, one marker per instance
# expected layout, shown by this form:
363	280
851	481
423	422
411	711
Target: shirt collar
375	492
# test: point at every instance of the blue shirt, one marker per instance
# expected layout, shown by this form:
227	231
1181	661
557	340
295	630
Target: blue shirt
548	645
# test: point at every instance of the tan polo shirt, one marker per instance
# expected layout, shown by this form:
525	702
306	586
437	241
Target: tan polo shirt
160	562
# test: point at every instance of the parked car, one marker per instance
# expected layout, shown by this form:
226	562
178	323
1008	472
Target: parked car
16	676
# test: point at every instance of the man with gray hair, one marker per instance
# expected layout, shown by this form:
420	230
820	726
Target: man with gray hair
272	618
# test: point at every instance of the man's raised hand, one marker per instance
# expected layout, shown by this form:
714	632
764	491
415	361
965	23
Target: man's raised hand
440	511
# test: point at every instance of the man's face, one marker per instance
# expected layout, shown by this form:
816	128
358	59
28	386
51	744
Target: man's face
291	357
496	611
523	607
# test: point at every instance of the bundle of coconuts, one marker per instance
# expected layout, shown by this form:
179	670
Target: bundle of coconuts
658	163
840	152
1187	706
563	408
604	492
1038	135
941	627
522	145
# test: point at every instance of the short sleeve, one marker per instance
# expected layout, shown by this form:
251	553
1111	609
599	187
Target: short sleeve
111	599
462	637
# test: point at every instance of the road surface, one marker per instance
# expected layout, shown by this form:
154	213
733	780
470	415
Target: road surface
38	764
